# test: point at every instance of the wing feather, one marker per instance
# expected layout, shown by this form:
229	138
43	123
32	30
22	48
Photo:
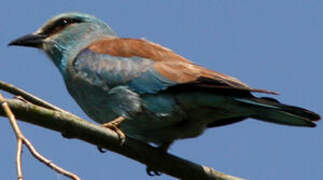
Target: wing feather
167	66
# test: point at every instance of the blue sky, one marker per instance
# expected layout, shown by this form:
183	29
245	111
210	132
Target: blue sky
274	44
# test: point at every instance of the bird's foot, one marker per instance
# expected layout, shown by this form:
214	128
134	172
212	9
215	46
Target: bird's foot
151	172
162	148
67	135
114	125
101	150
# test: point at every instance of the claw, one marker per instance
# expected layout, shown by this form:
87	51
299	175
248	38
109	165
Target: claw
67	135
114	125
101	150
152	172
162	148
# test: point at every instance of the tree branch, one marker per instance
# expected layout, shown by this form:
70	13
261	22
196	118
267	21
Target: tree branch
26	95
72	126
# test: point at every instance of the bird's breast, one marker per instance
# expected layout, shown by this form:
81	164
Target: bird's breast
91	97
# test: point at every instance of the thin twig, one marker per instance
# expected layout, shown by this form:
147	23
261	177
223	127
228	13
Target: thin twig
46	161
18	159
27	96
21	139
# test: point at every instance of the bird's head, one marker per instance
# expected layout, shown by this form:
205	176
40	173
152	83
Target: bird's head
63	36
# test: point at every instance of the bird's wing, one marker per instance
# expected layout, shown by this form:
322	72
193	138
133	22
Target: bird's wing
148	67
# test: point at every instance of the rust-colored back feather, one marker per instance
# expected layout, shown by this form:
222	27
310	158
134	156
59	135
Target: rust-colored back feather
169	64
127	47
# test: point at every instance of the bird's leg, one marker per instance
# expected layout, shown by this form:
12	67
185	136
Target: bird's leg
114	125
163	148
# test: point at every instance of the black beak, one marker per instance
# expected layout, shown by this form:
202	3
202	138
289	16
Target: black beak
30	40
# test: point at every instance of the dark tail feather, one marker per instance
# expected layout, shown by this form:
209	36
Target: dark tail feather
271	110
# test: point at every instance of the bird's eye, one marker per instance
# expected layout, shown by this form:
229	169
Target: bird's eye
59	25
65	21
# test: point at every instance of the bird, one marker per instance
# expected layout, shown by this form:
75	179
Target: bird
145	91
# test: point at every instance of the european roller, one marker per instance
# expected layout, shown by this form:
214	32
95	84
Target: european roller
145	91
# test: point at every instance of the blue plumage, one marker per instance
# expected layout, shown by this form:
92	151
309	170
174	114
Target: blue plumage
131	87
159	95
134	72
